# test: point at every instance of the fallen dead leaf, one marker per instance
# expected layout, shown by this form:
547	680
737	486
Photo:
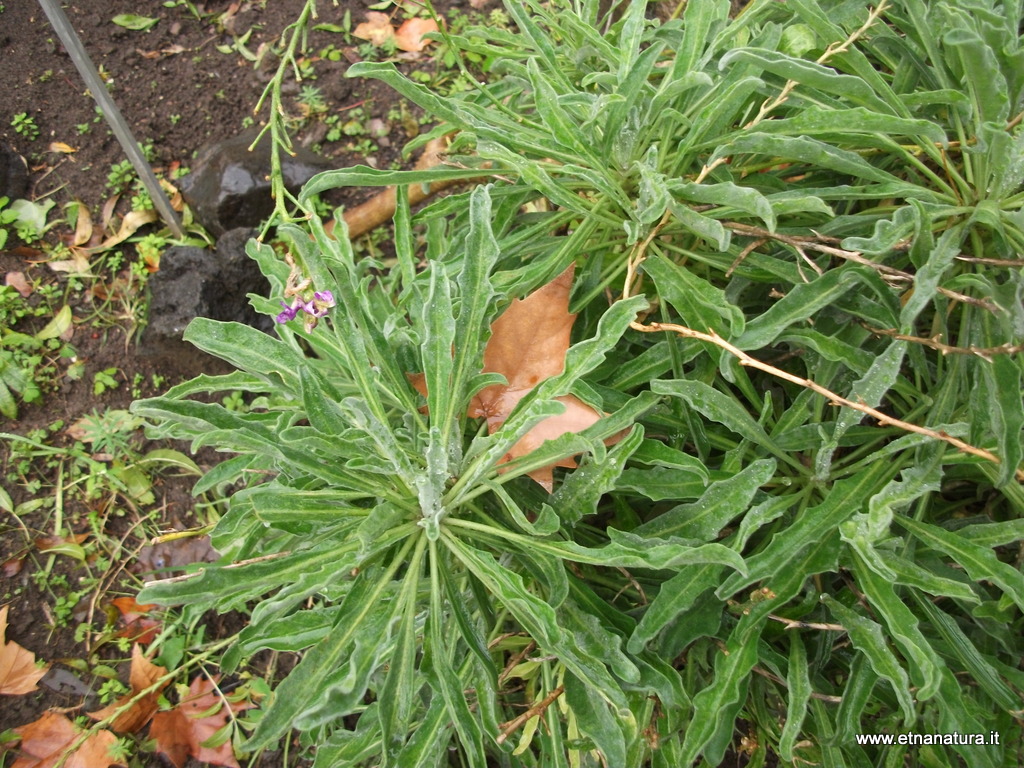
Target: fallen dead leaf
45	543
83	227
78	264
181	732
18	670
46	741
129	225
381	207
175	554
12	567
18	282
140	626
376	30
528	344
144	674
409	36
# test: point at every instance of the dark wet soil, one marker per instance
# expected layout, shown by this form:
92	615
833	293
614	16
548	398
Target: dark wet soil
185	83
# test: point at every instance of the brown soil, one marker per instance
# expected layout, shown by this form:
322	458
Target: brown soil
178	92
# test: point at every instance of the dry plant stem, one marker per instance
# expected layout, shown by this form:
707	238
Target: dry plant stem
535	711
813	244
515	660
199	572
746	360
985	353
794	624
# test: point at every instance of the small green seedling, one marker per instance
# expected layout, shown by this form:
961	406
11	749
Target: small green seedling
104	380
25	125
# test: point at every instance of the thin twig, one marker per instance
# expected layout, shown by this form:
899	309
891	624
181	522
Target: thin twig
814	694
890	273
985	353
746	360
515	661
536	710
794	624
989	260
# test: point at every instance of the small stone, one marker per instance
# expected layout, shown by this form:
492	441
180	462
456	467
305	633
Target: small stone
13	173
195	282
229	186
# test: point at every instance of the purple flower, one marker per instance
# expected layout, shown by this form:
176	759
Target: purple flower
316	308
289	312
322	301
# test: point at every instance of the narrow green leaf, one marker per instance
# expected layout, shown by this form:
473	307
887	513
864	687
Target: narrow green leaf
813	524
729	195
723	501
868	638
799	304
903	628
812	152
135	22
810	75
60	323
401	685
247	348
676	596
980	563
696	300
580	492
717	703
1003	378
818	121
979	668
722	409
798	682
535	615
361	622
596	720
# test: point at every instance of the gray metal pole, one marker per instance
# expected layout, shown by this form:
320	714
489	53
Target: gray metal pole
87	70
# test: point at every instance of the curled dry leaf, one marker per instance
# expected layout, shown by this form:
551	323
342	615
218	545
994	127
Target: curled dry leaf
144	675
376	30
18	671
48	743
528	344
140	626
409	36
181	732
18	282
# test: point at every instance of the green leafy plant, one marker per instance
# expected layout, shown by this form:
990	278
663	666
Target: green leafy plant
25	125
782	223
121	176
104	380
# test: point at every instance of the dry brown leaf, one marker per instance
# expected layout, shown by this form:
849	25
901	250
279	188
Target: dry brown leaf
377	29
139	625
78	264
409	36
45	742
144	674
18	282
83	227
180	732
381	207
528	344
129	225
18	671
45	543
